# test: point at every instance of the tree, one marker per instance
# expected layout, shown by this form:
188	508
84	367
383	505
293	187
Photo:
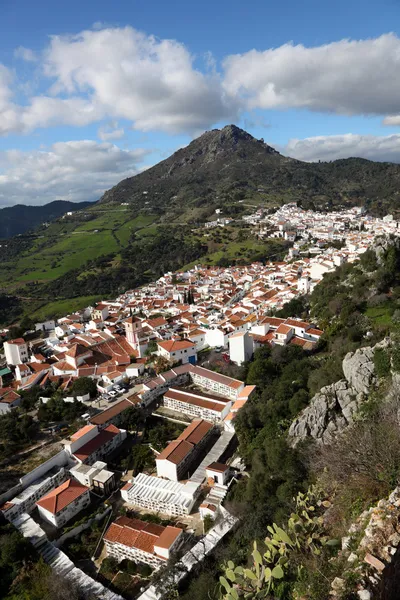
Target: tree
84	385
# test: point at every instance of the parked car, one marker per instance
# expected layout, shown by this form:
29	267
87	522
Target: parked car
111	399
112	393
105	397
118	388
218	349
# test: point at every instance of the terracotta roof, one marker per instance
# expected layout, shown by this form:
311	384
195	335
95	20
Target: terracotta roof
196	400
196	431
77	350
168	537
176	451
218	467
81	432
138	534
97	442
63	495
295	323
246	391
113	411
175	345
17	341
283	329
217	377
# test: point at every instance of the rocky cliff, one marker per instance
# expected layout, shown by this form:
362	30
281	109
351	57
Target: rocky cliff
332	409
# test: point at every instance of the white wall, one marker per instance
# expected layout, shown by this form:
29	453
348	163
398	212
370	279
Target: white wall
216	337
167	469
15	353
59	460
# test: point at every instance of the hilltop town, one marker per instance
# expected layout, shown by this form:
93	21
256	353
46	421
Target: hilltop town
166	356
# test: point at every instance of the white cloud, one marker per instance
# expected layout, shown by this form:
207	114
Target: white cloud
346	77
120	73
25	54
110	131
381	148
76	171
391	121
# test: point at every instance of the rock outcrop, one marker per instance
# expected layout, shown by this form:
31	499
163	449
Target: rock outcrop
332	409
374	565
358	369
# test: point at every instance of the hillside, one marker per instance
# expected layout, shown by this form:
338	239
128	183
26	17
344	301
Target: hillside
144	225
224	166
19	218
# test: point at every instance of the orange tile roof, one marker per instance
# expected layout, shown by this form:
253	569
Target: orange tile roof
196	431
138	534
218	467
81	432
196	400
63	495
168	537
107	434
283	329
175	345
176	451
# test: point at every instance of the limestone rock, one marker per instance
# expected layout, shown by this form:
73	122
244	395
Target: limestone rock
358	368
333	408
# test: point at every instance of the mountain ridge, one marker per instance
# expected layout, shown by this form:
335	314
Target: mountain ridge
20	218
222	162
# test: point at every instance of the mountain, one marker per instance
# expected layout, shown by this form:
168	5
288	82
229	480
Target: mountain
19	218
148	224
227	165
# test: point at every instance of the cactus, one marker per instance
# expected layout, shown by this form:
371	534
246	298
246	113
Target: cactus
303	534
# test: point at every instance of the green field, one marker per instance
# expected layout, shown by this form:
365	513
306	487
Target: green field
64	245
380	315
60	308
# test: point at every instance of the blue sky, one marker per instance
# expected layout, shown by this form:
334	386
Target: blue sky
91	92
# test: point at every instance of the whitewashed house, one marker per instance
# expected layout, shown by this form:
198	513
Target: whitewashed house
63	503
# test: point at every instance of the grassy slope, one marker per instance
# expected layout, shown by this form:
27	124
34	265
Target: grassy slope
65	246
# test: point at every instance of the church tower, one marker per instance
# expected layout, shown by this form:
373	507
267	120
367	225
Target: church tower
133	330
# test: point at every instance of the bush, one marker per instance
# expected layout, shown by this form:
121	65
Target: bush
396	359
109	565
145	570
382	362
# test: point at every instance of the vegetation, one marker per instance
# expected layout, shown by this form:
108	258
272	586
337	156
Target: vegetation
15	220
353	473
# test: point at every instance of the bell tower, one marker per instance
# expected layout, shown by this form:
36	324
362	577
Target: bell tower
133	329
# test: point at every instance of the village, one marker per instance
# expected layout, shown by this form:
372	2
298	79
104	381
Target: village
167	352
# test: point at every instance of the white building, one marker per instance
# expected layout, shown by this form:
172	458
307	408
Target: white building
142	542
16	351
159	495
215	382
196	404
95	476
91	443
241	347
216	337
178	350
9	399
63	503
218	473
175	460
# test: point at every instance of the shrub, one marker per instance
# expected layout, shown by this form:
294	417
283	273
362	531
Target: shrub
396	359
382	362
